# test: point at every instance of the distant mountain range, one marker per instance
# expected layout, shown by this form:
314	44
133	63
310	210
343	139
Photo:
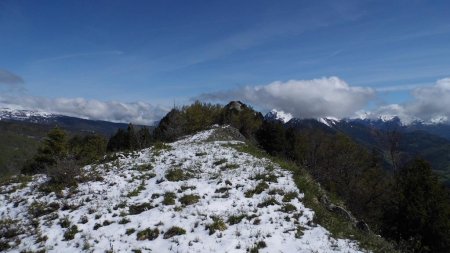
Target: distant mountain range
69	123
429	141
22	130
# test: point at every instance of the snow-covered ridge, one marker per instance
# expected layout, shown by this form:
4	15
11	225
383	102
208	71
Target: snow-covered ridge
15	114
224	201
279	115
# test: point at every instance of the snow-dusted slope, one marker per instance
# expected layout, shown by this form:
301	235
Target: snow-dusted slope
242	202
24	115
278	115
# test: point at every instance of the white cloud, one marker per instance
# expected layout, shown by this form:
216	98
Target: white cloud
430	104
135	112
322	97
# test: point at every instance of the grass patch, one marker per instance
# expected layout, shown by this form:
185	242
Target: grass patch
139	208
70	233
236	219
268	202
266	177
169	198
147	234
262	186
38	209
130	231
217	225
138	190
174	231
259	245
219	162
189	199
289	196
175	175
230	166
288	208
124	221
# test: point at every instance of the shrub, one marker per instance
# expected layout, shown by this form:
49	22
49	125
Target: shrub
189	199
262	186
268	202
289	196
147	234
288	208
139	208
70	233
174	175
169	198
174	231
235	219
130	231
217	225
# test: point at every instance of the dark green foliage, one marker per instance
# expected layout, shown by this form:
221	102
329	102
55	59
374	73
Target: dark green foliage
54	147
236	219
260	187
289	196
174	231
139	208
130	139
176	175
87	149
189	199
241	117
187	120
272	137
259	245
268	202
169	198
171	126
70	233
288	208
147	234
418	215
217	225
199	116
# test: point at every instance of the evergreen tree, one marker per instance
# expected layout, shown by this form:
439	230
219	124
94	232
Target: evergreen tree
54	147
272	137
419	214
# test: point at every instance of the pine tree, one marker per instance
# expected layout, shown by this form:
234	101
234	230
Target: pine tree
54	147
419	214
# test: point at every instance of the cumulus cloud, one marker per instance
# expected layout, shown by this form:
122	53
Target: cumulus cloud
10	80
429	104
324	97
135	112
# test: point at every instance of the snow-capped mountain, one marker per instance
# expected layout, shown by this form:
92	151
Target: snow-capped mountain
25	115
282	116
67	122
199	194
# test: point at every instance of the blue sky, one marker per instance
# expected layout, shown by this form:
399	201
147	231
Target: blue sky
158	52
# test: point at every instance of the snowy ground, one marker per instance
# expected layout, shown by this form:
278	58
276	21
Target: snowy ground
225	201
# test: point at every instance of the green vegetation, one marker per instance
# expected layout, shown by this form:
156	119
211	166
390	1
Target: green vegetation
130	139
169	198
174	231
70	233
259	245
139	208
147	234
217	225
262	186
177	175
236	219
289	196
189	199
